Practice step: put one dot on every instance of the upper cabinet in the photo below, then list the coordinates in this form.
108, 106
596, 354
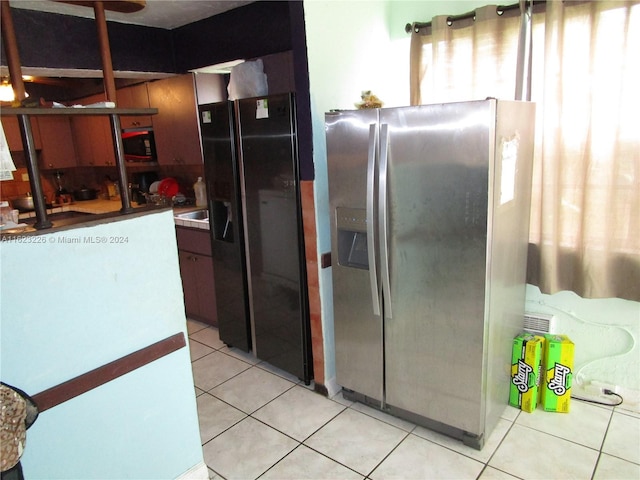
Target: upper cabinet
93, 139
14, 137
87, 140
58, 150
135, 96
176, 126
51, 135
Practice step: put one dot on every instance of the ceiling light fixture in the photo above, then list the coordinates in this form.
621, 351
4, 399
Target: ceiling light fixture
6, 91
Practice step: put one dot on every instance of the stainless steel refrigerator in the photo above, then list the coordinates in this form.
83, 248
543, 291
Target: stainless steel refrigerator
251, 170
430, 216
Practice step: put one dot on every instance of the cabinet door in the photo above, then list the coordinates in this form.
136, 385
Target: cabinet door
198, 286
189, 283
93, 141
135, 96
58, 150
93, 138
176, 126
196, 269
103, 151
194, 240
82, 139
203, 270
14, 137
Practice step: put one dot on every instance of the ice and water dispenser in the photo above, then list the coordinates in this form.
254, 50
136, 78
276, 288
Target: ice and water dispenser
221, 222
352, 237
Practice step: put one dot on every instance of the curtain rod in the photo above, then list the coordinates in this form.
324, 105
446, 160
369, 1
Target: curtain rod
500, 9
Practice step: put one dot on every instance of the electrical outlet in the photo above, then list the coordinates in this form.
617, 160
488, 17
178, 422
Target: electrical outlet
25, 177
602, 386
591, 389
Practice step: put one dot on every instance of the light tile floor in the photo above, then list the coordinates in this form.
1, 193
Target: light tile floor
259, 422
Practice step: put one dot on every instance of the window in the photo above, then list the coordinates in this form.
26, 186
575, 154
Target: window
585, 217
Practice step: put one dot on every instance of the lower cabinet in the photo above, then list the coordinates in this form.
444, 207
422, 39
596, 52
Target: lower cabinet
196, 270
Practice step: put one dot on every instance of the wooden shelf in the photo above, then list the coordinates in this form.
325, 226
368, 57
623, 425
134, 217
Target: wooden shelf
79, 111
114, 114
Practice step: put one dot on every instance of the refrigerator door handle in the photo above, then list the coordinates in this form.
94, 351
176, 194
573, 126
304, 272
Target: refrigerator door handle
383, 218
371, 243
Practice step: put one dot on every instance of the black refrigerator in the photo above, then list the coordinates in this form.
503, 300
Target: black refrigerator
255, 215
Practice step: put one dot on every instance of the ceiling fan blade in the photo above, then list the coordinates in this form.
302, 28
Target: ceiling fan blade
122, 6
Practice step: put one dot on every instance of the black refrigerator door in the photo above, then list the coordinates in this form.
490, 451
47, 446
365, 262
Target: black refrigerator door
274, 235
217, 125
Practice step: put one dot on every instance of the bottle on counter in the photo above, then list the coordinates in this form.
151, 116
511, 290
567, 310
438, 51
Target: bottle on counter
110, 188
200, 190
5, 213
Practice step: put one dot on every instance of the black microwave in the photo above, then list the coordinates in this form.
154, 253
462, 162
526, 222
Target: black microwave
139, 145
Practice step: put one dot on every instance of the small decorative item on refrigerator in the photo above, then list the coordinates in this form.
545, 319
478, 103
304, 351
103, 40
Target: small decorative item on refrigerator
526, 364
558, 373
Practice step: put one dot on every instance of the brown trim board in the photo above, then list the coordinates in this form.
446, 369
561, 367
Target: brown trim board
87, 381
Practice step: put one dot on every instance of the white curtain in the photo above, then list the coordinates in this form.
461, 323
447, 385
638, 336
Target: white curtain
585, 217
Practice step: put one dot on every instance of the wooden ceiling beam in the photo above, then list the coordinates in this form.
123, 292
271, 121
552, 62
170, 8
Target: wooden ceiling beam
11, 50
122, 6
105, 51
99, 7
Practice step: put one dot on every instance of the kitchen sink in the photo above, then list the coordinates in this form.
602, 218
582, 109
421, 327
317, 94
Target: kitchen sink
195, 215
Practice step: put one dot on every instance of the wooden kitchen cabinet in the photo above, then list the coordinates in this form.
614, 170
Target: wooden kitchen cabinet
196, 270
176, 126
51, 135
93, 138
58, 150
135, 96
11, 129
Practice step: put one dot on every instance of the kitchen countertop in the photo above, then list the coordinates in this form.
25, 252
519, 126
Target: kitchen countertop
95, 211
100, 210
95, 207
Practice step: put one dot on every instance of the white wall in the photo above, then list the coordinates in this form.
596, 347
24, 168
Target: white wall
68, 308
361, 45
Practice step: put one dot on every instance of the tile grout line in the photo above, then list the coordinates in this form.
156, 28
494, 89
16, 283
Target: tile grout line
558, 437
604, 438
299, 443
262, 365
486, 464
368, 475
277, 462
